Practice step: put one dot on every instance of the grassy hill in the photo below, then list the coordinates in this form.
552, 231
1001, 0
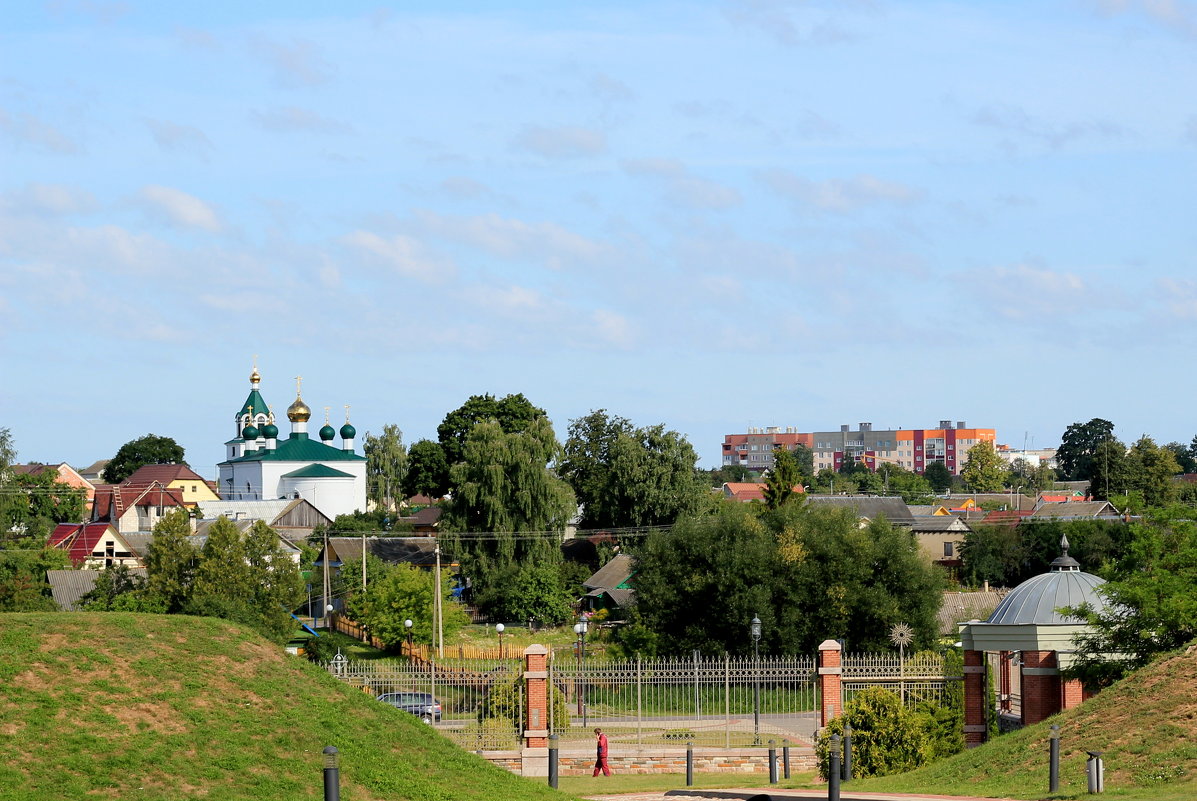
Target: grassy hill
170, 707
1146, 725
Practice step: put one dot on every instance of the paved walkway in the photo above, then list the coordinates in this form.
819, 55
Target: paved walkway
775, 794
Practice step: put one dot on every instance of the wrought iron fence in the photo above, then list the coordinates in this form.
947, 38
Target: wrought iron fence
919, 678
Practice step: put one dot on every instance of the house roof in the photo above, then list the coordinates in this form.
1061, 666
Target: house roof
419, 551
1005, 517
1075, 509
80, 540
272, 511
113, 501
68, 586
162, 473
299, 448
745, 491
615, 574
317, 471
620, 597
1008, 500
428, 516
960, 607
869, 507
94, 469
927, 524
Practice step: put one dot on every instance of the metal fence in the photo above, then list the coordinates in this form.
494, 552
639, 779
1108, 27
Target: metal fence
713, 701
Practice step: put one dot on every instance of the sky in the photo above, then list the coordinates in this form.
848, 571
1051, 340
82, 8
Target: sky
709, 215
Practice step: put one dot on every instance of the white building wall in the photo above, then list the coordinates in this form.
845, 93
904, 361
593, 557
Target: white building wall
332, 496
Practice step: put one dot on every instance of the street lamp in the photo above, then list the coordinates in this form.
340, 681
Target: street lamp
407, 624
755, 630
580, 630
499, 627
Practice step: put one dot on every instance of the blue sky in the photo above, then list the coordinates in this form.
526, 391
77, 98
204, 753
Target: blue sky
711, 215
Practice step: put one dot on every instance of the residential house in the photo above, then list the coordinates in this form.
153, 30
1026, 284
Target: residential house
64, 474
193, 488
611, 587
940, 538
754, 450
131, 509
1076, 510
869, 507
94, 546
293, 518
67, 587
746, 492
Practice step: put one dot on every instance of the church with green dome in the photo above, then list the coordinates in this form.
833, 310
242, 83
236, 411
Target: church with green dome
261, 466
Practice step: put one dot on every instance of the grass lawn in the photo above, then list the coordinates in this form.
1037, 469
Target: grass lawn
642, 783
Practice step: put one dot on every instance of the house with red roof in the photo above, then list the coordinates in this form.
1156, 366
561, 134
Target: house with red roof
180, 477
64, 474
94, 546
130, 509
746, 492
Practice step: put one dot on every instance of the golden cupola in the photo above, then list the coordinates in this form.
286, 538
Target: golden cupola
299, 412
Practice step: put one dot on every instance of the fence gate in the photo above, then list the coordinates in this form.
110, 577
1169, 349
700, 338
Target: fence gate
481, 701
714, 701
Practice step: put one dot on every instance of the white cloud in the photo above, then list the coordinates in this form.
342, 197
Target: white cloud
299, 65
789, 22
683, 188
179, 208
1015, 119
183, 138
1179, 296
405, 255
1174, 14
613, 328
839, 195
564, 142
556, 247
49, 199
26, 129
293, 118
1022, 291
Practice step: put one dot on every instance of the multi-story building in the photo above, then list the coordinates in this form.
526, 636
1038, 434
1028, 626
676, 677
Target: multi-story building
754, 450
912, 448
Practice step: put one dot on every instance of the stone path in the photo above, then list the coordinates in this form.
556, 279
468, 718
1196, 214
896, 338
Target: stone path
776, 794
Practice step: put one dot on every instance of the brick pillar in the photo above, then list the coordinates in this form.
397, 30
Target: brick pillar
1072, 692
1040, 686
536, 720
974, 698
830, 674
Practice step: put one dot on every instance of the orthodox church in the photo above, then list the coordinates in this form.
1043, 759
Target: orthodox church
260, 466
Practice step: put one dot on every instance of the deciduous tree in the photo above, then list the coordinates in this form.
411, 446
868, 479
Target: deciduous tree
386, 467
171, 560
983, 470
514, 413
785, 475
406, 593
427, 470
150, 449
938, 476
1078, 446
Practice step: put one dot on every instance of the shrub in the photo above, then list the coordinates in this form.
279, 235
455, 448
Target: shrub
886, 737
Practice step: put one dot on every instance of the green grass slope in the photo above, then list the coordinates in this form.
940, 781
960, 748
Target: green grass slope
169, 707
1146, 725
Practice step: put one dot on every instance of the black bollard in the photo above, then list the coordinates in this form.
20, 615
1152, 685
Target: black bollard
785, 761
553, 761
847, 751
833, 769
689, 764
332, 775
772, 763
1053, 770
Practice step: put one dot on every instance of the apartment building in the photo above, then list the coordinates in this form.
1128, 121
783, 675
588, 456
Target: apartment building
912, 448
754, 450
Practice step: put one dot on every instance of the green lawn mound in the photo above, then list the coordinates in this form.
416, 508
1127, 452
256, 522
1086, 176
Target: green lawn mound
170, 707
1146, 725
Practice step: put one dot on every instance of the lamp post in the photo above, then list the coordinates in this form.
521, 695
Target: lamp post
407, 624
499, 627
580, 630
755, 630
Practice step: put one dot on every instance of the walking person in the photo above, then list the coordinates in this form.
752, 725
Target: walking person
601, 744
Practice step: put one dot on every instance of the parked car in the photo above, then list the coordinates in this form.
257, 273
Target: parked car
422, 705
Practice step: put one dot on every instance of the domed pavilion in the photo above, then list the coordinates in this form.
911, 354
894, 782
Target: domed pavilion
1028, 632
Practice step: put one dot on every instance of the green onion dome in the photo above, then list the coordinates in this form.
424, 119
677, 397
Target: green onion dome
348, 431
327, 432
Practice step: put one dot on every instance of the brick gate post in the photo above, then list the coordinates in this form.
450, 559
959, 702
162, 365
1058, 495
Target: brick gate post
830, 674
974, 698
535, 754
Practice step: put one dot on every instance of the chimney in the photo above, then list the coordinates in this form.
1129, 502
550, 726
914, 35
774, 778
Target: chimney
959, 424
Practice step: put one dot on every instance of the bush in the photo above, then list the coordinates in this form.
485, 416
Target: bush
886, 737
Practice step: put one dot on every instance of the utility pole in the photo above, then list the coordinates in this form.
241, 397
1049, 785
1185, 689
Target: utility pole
327, 583
437, 608
363, 562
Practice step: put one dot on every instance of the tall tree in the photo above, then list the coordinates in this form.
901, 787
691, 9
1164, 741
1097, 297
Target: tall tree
1078, 446
171, 560
514, 413
1184, 457
223, 571
386, 467
785, 475
135, 454
938, 476
405, 593
1109, 471
628, 476
427, 470
1153, 470
984, 470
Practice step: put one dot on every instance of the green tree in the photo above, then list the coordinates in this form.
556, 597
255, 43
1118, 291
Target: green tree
150, 449
897, 480
222, 571
32, 504
1078, 446
1151, 599
886, 736
514, 413
938, 476
628, 476
785, 475
386, 467
1152, 471
8, 452
277, 585
427, 470
406, 593
171, 561
983, 470
1184, 456
1109, 471
119, 590
23, 586
729, 473
527, 592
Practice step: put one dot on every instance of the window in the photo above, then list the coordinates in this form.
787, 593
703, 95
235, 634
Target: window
947, 550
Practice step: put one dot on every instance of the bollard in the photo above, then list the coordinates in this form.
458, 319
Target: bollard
1053, 770
772, 763
689, 764
553, 771
1095, 772
332, 775
847, 751
785, 761
833, 769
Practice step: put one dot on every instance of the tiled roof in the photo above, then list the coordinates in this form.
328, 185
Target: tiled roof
162, 473
114, 500
80, 540
300, 448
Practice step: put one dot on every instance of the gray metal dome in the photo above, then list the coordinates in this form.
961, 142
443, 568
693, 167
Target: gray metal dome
1036, 600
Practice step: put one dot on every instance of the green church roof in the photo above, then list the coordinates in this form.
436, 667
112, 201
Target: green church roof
298, 448
316, 471
258, 403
